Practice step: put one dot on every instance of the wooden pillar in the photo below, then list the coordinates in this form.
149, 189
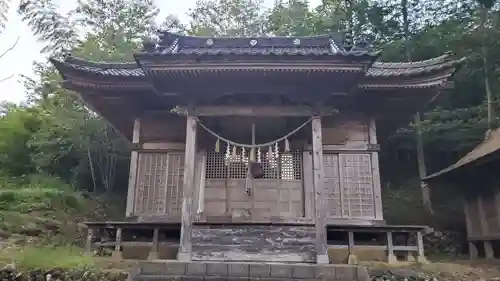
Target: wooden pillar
420, 248
352, 258
318, 181
153, 252
88, 245
117, 253
377, 190
473, 252
482, 217
188, 191
132, 178
391, 257
309, 212
489, 254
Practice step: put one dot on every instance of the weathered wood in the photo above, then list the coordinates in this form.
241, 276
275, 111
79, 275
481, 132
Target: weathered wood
254, 243
308, 186
158, 146
468, 223
153, 252
201, 183
188, 190
420, 248
88, 244
117, 253
132, 179
482, 217
257, 111
488, 250
473, 252
377, 190
318, 180
391, 257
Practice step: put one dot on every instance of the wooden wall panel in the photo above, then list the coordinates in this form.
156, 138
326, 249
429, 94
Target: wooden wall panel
490, 213
473, 216
163, 129
254, 243
344, 131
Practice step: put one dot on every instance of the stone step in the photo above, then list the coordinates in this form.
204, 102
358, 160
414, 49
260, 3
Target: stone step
240, 271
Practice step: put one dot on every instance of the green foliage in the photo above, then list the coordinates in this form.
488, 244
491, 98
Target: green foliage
30, 257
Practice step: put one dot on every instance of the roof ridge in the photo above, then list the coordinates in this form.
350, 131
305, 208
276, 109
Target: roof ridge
413, 64
99, 64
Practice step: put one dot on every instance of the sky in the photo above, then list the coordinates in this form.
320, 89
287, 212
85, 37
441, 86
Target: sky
20, 59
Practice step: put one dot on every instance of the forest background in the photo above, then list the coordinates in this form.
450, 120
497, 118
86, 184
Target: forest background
53, 142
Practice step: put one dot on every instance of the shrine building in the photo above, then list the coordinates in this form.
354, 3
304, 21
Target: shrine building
256, 149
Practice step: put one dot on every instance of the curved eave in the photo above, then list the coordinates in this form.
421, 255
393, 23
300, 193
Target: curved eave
80, 73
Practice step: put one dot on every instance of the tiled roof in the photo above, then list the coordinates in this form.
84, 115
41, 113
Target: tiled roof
387, 69
490, 145
323, 45
378, 69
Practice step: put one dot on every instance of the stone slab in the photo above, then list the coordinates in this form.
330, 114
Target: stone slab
240, 271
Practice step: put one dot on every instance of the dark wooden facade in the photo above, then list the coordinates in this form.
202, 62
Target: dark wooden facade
475, 176
254, 91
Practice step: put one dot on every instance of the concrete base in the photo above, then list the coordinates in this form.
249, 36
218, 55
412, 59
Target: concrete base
177, 270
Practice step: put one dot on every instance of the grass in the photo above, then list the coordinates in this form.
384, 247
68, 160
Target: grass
30, 257
39, 223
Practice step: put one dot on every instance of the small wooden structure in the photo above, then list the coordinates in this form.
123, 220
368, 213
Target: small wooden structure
257, 148
476, 177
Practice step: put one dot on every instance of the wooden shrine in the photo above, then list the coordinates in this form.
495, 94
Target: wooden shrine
475, 177
255, 149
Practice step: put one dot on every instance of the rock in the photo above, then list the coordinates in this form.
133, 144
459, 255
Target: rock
5, 234
31, 231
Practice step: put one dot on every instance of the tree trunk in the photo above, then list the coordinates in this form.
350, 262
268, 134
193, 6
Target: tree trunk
422, 171
484, 54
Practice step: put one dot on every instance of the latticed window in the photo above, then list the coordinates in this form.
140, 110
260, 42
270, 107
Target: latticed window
284, 166
159, 183
348, 191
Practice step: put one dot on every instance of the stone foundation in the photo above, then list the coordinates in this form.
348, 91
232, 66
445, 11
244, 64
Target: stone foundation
236, 271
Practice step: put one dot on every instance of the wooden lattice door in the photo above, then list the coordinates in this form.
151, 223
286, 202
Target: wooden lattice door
159, 184
349, 188
278, 194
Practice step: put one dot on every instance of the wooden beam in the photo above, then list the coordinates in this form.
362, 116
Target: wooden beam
188, 191
318, 181
377, 189
132, 179
276, 111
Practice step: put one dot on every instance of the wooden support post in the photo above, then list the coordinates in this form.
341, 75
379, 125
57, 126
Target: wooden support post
88, 245
201, 181
352, 258
391, 257
473, 252
117, 253
377, 190
408, 254
482, 217
318, 181
488, 250
132, 178
188, 190
309, 198
420, 248
153, 252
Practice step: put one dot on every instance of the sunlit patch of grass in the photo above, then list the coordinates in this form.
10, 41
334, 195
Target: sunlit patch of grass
46, 257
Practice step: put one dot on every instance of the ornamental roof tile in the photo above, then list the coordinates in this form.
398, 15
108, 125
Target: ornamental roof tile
378, 69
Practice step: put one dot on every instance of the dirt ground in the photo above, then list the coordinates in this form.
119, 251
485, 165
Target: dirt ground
456, 270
